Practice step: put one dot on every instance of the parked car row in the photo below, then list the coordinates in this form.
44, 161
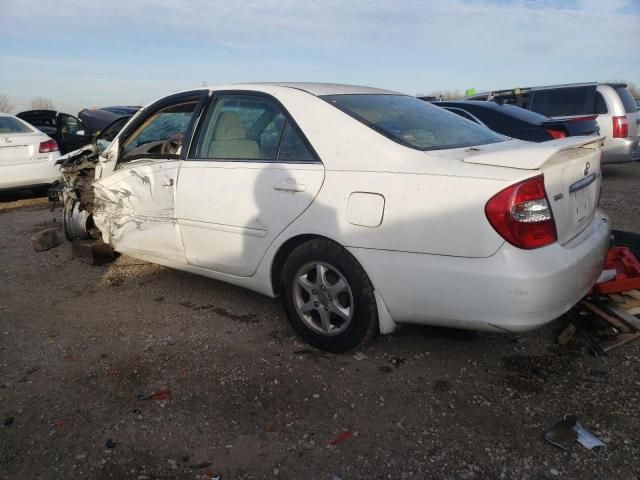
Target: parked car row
362, 208
609, 104
32, 141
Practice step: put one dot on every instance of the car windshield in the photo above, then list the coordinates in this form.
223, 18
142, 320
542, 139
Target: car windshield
413, 122
11, 125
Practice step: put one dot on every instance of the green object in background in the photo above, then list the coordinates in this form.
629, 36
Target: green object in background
470, 91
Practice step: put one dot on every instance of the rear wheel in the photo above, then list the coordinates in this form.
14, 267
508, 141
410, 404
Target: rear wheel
328, 297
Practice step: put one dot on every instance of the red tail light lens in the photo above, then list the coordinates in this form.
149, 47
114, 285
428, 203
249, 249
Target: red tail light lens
522, 216
48, 146
620, 127
556, 134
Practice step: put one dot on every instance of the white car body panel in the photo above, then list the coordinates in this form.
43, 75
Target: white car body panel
21, 163
415, 220
229, 232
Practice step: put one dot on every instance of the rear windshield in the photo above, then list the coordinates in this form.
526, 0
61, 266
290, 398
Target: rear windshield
564, 101
629, 103
413, 122
11, 125
522, 114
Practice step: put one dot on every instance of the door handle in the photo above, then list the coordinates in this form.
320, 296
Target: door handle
167, 182
290, 187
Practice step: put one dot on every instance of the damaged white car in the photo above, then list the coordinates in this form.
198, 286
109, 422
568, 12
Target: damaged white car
362, 208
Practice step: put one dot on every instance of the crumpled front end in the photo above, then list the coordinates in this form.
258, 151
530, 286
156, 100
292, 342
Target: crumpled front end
77, 193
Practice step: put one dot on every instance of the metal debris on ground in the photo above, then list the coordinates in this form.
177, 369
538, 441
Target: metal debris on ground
568, 431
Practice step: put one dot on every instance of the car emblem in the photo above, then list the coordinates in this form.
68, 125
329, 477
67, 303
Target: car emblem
586, 169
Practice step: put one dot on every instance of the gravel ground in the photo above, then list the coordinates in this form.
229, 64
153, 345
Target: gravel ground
80, 346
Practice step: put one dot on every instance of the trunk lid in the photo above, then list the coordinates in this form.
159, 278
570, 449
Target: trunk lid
572, 177
20, 148
574, 127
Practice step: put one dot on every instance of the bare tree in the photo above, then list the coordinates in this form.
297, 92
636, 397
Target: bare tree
5, 105
41, 103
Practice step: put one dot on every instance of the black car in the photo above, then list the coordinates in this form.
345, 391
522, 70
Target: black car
122, 110
516, 122
68, 131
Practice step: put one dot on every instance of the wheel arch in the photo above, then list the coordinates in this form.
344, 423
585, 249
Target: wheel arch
283, 253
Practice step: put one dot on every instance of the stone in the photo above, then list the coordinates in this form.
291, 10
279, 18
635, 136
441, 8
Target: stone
46, 239
93, 252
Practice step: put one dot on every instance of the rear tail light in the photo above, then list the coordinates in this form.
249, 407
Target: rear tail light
557, 134
48, 146
620, 127
521, 214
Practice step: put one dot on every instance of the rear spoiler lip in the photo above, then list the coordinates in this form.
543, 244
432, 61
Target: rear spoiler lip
532, 156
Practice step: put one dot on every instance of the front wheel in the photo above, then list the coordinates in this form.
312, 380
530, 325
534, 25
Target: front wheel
328, 297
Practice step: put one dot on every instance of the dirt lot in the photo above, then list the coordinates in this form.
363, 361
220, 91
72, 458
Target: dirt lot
80, 344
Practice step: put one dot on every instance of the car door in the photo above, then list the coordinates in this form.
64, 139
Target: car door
250, 173
134, 203
72, 133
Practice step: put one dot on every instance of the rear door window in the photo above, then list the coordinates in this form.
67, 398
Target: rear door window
564, 102
629, 103
241, 127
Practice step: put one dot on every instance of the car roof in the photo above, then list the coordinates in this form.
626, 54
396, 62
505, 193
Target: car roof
546, 87
317, 89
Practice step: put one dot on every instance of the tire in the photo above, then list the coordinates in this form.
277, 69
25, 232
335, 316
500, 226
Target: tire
627, 239
342, 314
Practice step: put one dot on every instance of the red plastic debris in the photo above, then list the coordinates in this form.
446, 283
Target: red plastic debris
161, 395
346, 435
627, 269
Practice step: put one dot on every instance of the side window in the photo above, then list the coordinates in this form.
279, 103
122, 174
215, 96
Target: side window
601, 106
71, 125
293, 147
241, 127
161, 134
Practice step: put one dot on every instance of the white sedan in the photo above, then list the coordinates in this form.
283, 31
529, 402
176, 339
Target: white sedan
362, 208
27, 156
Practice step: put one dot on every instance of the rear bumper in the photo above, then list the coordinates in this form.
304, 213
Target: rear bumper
620, 150
28, 174
513, 290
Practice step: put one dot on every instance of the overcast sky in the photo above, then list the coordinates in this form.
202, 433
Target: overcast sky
85, 53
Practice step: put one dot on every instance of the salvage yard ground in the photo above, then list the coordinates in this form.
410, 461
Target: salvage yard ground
81, 346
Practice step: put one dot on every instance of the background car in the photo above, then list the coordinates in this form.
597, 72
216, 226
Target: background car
27, 156
70, 132
614, 108
363, 208
122, 110
516, 122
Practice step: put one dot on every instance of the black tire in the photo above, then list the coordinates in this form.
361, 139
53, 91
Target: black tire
363, 324
627, 239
